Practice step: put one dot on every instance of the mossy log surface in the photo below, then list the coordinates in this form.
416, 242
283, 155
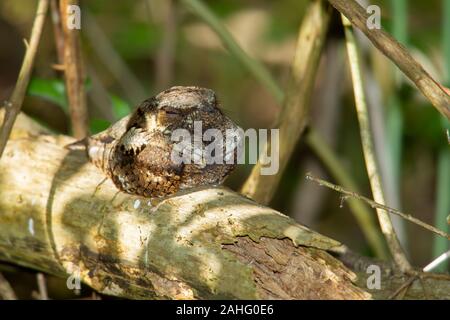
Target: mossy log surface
58, 214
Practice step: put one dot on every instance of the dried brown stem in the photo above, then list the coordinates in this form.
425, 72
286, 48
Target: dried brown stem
74, 73
14, 105
376, 205
368, 149
293, 118
434, 286
398, 54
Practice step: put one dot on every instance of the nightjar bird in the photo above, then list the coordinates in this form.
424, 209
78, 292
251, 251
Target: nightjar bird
140, 155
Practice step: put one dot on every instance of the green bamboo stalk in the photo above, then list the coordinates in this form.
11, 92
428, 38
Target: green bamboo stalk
400, 21
446, 38
443, 167
442, 205
260, 73
394, 115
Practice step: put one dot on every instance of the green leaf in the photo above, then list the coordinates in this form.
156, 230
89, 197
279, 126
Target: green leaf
120, 107
440, 244
49, 89
88, 84
98, 125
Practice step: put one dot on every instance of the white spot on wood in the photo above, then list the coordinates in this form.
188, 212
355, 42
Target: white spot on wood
93, 152
146, 257
31, 226
137, 203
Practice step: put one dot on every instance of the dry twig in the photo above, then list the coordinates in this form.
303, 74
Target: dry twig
74, 74
14, 105
398, 54
293, 117
369, 154
376, 205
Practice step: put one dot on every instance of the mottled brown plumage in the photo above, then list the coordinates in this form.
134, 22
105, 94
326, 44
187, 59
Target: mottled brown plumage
136, 151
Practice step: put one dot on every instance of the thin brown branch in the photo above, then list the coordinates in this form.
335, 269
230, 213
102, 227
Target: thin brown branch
403, 289
376, 205
393, 281
361, 212
74, 73
14, 105
384, 219
398, 54
292, 120
6, 292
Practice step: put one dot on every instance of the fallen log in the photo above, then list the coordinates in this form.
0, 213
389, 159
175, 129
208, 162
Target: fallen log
59, 215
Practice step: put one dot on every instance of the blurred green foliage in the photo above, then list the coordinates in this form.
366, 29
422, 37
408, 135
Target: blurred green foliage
52, 90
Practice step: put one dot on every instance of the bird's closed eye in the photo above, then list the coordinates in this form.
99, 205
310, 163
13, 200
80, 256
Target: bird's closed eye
172, 113
168, 116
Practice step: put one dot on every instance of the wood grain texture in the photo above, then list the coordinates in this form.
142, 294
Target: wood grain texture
57, 216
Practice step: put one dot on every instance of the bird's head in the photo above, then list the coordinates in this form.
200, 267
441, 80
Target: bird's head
178, 108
